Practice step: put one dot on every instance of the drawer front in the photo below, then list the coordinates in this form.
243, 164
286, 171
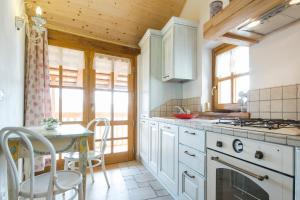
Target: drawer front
192, 158
191, 184
193, 138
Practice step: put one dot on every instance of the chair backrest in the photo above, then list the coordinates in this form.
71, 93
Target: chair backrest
25, 135
96, 122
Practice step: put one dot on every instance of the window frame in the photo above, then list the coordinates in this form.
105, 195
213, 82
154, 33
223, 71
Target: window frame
215, 81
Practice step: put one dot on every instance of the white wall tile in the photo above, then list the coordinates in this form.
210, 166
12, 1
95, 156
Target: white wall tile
289, 92
254, 106
276, 106
254, 95
289, 105
265, 94
276, 115
291, 116
265, 115
276, 93
265, 106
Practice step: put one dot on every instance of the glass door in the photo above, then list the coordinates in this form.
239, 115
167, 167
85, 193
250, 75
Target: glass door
113, 89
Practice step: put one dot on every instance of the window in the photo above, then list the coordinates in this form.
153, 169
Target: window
231, 75
112, 100
66, 84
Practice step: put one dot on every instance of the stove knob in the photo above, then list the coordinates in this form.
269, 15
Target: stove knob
259, 155
219, 144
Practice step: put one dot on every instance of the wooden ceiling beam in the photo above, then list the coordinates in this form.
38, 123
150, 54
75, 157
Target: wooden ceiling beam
82, 43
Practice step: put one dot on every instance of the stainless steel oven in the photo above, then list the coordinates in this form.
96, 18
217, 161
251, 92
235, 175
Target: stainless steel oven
234, 175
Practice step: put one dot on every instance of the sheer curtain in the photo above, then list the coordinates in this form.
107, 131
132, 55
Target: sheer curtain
37, 91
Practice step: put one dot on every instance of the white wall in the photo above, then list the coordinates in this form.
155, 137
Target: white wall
202, 85
12, 47
275, 61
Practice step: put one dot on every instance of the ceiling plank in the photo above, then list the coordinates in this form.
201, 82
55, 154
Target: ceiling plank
120, 21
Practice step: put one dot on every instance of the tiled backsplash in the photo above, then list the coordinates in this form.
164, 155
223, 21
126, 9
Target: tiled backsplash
167, 109
275, 103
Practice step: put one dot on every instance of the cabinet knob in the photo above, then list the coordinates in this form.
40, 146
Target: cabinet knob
219, 144
259, 155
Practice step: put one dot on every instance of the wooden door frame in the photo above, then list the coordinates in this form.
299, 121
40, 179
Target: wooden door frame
90, 47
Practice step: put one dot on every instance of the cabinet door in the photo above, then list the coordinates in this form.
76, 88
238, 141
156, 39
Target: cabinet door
144, 79
168, 156
153, 146
185, 52
144, 140
167, 46
191, 184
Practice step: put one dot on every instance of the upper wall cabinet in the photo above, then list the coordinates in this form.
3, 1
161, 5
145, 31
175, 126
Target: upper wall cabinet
152, 91
247, 22
179, 50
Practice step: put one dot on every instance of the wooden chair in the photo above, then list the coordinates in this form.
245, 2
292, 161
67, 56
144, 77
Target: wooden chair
46, 185
96, 156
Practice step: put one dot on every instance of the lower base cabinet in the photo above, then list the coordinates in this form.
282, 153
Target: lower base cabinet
168, 157
191, 184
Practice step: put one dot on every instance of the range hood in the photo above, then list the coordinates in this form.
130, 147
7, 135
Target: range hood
277, 18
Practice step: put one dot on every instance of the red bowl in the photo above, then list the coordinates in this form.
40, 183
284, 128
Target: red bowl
183, 116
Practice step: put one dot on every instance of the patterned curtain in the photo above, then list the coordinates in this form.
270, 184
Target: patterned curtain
37, 90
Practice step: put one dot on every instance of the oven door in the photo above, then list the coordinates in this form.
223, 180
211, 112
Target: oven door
229, 178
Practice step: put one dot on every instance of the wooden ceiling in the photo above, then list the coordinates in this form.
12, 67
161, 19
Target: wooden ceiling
118, 21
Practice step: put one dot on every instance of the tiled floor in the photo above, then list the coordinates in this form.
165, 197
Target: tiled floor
129, 181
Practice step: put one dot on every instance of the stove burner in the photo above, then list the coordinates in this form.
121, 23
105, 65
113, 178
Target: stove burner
261, 123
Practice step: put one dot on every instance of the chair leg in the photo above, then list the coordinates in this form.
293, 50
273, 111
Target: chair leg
91, 170
80, 192
104, 172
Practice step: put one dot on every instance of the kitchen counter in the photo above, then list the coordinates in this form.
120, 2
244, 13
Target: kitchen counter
285, 136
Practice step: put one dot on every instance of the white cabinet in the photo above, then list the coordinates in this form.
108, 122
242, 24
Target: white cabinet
152, 91
153, 146
168, 157
179, 50
191, 184
144, 140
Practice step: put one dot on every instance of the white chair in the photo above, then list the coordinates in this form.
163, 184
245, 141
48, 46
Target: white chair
96, 156
47, 185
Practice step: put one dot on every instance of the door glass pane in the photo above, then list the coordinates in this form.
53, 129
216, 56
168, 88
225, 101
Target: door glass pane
100, 131
224, 92
120, 106
120, 146
103, 80
72, 105
72, 77
54, 75
54, 94
121, 131
223, 65
241, 85
121, 82
103, 104
233, 185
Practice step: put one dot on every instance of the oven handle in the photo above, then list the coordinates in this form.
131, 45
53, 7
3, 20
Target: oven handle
258, 177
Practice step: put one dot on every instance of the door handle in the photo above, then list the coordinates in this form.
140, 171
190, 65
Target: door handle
191, 176
258, 177
188, 153
191, 133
